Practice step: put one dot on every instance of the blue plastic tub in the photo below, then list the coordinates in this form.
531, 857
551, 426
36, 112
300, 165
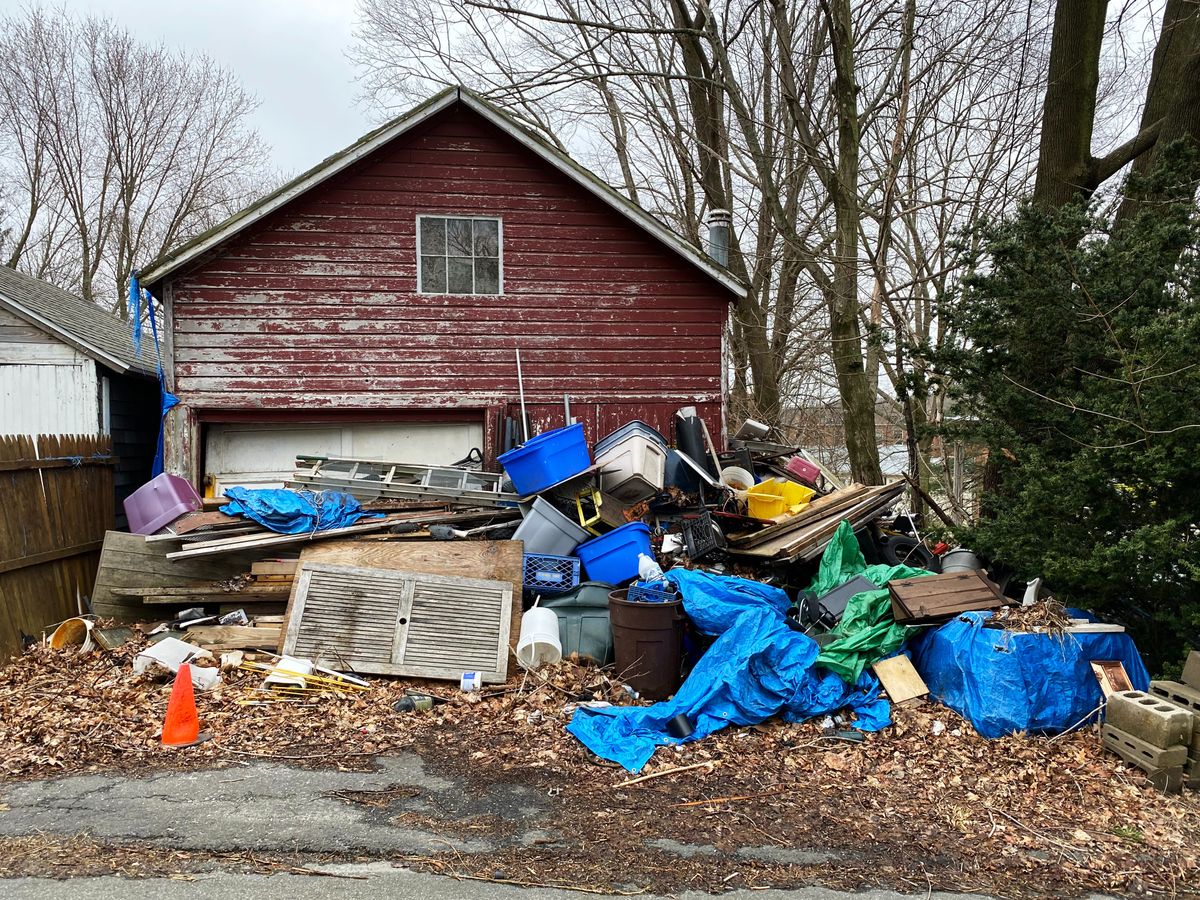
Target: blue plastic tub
547, 459
613, 557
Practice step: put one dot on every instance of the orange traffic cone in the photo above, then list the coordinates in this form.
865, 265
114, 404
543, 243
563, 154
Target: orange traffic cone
181, 727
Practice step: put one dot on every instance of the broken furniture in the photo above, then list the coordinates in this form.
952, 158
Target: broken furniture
386, 622
936, 598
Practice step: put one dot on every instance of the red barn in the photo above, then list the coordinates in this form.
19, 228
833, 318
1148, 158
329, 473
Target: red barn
372, 307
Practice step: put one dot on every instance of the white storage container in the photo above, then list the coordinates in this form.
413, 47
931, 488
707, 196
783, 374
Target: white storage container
632, 469
546, 530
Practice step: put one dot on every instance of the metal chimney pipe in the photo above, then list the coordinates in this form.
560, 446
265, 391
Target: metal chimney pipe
720, 235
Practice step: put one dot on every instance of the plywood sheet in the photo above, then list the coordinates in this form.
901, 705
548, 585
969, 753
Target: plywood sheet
900, 679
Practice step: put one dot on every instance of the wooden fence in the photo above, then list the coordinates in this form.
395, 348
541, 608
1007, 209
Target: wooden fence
56, 502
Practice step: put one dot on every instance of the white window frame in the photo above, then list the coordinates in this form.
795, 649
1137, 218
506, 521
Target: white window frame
499, 258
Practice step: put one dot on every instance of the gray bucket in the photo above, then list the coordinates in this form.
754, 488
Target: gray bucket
960, 560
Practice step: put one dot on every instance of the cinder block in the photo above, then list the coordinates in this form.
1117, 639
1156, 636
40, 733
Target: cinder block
1137, 752
1191, 670
1152, 719
1182, 696
1179, 694
1168, 781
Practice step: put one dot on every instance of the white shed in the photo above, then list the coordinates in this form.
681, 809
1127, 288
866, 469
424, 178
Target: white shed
68, 367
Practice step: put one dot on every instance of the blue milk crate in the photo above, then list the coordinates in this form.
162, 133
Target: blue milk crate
547, 574
642, 592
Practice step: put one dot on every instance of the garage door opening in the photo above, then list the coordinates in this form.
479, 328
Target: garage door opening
260, 455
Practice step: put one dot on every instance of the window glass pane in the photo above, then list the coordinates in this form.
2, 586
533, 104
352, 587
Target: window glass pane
487, 276
460, 280
487, 237
458, 237
433, 274
433, 236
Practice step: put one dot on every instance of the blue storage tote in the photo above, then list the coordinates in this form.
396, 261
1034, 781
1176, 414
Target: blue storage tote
613, 557
548, 574
546, 459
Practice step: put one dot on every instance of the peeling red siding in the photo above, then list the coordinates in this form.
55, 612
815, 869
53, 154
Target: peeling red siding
315, 308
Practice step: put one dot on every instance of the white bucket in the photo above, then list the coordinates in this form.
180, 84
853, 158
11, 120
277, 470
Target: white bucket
539, 644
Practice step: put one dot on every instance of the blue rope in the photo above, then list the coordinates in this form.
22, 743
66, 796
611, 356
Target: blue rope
168, 401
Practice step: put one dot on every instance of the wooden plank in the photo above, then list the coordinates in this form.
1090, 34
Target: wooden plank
274, 567
128, 561
254, 542
816, 510
193, 520
900, 679
233, 637
483, 560
205, 590
812, 537
36, 559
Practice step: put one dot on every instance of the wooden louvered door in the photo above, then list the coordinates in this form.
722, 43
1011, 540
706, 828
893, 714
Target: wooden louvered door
387, 622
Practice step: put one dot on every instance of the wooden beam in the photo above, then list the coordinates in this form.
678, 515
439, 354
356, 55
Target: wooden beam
36, 559
21, 465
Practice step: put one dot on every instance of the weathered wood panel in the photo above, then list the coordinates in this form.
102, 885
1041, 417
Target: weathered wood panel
51, 522
316, 307
50, 399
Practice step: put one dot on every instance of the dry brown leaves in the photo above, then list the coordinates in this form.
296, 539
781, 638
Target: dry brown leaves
908, 808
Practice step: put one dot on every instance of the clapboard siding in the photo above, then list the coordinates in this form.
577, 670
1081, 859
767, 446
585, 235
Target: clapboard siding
316, 305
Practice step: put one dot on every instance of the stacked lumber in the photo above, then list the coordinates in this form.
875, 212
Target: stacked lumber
805, 535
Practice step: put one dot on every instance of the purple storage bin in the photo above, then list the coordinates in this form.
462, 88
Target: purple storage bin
158, 502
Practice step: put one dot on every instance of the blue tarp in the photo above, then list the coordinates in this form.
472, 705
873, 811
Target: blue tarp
295, 512
1005, 682
758, 667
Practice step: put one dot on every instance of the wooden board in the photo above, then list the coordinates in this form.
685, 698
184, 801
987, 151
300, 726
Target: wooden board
900, 679
818, 509
484, 560
268, 567
1112, 676
272, 591
234, 637
934, 598
127, 561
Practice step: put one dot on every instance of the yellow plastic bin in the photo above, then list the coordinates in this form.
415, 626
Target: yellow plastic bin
777, 497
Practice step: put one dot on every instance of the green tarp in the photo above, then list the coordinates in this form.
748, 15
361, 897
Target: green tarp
867, 632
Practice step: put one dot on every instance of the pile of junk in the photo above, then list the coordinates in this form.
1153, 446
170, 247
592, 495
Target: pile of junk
732, 585
722, 585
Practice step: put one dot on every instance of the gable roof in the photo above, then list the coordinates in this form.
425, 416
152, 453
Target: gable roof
185, 253
73, 320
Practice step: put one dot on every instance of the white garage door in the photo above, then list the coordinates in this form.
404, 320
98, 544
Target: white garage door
264, 455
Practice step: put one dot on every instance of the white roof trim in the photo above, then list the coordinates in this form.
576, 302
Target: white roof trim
559, 161
15, 307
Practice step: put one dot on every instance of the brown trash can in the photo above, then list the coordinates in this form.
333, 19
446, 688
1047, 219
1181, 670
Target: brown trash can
647, 644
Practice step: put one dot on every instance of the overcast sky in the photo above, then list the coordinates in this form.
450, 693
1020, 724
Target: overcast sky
289, 53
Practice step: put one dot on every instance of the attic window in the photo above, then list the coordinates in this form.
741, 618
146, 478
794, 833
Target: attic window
459, 255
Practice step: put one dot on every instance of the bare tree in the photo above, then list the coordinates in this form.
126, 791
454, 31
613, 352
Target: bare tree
112, 151
852, 142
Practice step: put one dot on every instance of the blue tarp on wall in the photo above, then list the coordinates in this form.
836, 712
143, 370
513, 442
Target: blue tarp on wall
295, 512
1005, 682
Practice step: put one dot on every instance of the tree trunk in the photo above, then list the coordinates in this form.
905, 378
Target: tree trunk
1173, 94
1069, 110
858, 402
